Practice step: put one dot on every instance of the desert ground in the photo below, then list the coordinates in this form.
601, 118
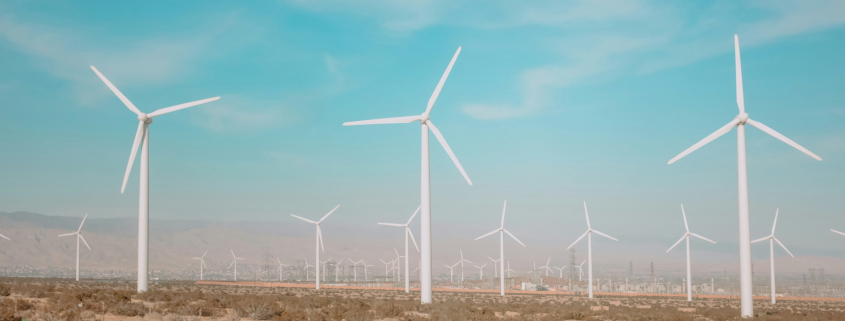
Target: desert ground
59, 299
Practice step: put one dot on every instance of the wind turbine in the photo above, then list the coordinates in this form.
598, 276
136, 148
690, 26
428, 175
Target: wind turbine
589, 235
480, 271
495, 268
546, 267
318, 241
78, 234
143, 132
324, 268
407, 234
773, 239
202, 262
306, 270
235, 263
425, 184
387, 265
560, 269
686, 237
501, 230
580, 270
746, 304
397, 263
355, 269
462, 266
280, 268
451, 269
508, 270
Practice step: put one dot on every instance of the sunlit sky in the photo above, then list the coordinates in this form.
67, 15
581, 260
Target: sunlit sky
549, 104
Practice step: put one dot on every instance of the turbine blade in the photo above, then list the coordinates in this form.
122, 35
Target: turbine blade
3, 236
441, 82
117, 93
784, 247
761, 239
740, 97
391, 224
139, 134
497, 230
686, 226
412, 216
392, 120
395, 251
203, 255
171, 109
233, 254
709, 138
703, 238
676, 243
68, 234
233, 263
83, 222
782, 138
514, 238
83, 241
776, 221
576, 241
605, 235
329, 213
412, 238
304, 219
587, 214
504, 207
320, 234
448, 150
838, 232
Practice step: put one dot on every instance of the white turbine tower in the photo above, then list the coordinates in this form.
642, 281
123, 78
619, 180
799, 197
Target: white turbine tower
508, 270
501, 230
451, 270
462, 266
407, 234
773, 239
280, 268
319, 242
560, 269
78, 234
580, 270
202, 262
143, 132
495, 267
589, 235
235, 263
746, 304
425, 185
686, 237
306, 269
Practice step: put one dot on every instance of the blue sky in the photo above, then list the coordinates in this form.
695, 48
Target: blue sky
549, 104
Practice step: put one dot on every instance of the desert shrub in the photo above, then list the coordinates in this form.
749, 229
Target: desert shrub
172, 317
88, 315
5, 290
129, 309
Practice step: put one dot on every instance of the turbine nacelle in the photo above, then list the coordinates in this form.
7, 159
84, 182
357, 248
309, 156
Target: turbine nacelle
743, 118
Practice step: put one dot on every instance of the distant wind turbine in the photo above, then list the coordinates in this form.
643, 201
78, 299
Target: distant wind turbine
508, 270
280, 268
686, 237
235, 263
480, 271
462, 266
501, 230
407, 234
143, 132
495, 267
560, 269
745, 273
451, 270
425, 184
78, 234
202, 262
589, 235
306, 269
546, 267
580, 270
773, 239
318, 241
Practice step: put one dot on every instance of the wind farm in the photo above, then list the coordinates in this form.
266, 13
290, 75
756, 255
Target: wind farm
550, 105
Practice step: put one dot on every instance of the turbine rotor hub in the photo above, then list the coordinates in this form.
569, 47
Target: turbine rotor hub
424, 118
742, 118
145, 118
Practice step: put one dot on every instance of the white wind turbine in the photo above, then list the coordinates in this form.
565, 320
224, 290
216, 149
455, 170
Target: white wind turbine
462, 265
306, 269
509, 271
560, 269
589, 235
143, 132
746, 304
407, 234
773, 239
495, 267
451, 270
480, 271
78, 234
425, 184
202, 262
235, 263
546, 267
397, 263
355, 269
324, 268
686, 237
280, 268
501, 230
580, 270
318, 240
